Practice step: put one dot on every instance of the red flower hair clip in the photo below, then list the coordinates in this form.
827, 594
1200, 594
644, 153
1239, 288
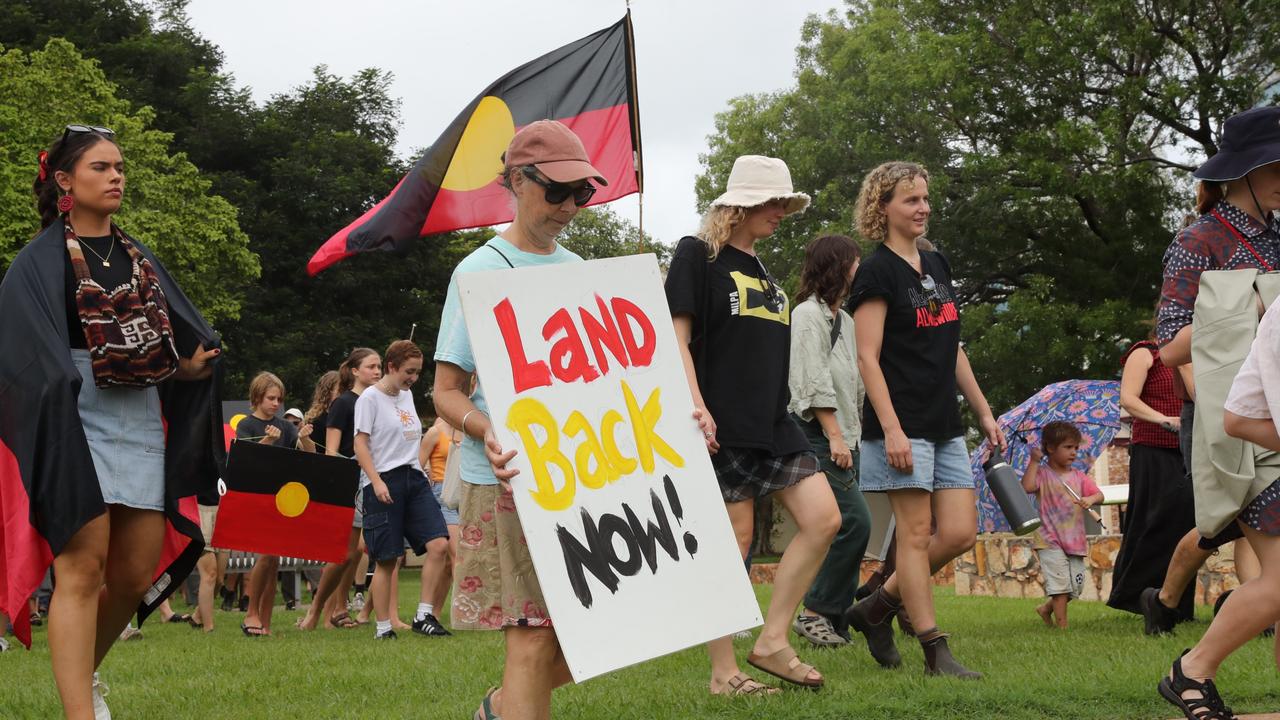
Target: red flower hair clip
44, 165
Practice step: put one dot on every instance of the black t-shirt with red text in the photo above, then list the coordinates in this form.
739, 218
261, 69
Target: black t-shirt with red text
741, 345
921, 340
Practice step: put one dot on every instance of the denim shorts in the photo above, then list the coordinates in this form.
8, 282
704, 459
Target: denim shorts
126, 439
450, 515
413, 515
940, 465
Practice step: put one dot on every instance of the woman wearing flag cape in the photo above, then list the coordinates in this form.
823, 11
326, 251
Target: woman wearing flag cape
108, 416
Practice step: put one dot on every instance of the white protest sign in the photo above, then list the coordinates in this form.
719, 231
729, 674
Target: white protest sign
616, 493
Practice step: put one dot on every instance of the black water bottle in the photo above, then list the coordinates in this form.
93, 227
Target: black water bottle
1013, 500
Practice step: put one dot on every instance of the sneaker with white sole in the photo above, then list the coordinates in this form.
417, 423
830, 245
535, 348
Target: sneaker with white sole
100, 691
357, 603
430, 626
130, 633
4, 644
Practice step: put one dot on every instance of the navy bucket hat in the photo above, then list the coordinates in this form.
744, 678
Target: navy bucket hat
1249, 141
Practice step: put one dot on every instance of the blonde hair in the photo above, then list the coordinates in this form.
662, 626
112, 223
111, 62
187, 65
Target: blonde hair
323, 396
263, 382
876, 192
717, 224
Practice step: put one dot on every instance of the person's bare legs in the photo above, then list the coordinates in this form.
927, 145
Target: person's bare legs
1183, 566
724, 664
1247, 565
1060, 609
262, 592
396, 622
73, 615
133, 553
440, 585
103, 572
534, 667
381, 590
813, 506
207, 565
957, 524
330, 579
362, 571
434, 566
1251, 608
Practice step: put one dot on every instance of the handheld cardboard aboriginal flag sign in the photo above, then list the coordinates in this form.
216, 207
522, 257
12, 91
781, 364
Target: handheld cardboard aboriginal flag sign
588, 85
286, 502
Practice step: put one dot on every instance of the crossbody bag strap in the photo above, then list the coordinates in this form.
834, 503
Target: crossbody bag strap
504, 257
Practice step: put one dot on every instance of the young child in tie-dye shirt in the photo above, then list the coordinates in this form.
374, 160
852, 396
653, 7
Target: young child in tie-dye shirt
1065, 495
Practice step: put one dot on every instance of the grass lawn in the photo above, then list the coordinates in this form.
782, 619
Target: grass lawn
1103, 667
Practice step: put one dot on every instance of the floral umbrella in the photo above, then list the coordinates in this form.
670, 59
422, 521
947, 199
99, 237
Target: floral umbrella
1093, 406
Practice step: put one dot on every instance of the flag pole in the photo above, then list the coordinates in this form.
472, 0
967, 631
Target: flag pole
637, 152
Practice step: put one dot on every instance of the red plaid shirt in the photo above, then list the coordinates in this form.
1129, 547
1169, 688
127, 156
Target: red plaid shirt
1207, 245
1157, 392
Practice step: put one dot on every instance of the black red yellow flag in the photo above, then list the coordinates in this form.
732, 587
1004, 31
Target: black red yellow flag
588, 85
281, 501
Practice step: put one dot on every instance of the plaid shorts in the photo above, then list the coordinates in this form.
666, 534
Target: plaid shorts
748, 473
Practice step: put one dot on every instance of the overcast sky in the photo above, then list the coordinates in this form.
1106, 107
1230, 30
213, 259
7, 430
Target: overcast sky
692, 56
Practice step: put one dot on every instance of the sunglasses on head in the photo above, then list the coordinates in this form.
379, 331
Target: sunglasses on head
79, 129
557, 193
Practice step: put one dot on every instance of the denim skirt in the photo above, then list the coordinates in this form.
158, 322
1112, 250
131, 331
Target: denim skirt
126, 439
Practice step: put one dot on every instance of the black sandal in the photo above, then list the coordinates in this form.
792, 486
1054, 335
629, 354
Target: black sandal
1209, 706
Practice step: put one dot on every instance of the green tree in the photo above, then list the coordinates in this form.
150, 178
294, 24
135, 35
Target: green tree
168, 205
599, 232
323, 155
1058, 135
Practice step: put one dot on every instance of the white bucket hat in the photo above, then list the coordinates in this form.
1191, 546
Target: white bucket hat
755, 180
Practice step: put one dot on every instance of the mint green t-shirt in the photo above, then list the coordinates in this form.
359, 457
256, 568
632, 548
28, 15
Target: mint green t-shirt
453, 345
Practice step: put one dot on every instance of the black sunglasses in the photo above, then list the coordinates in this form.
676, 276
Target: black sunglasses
557, 193
933, 297
78, 129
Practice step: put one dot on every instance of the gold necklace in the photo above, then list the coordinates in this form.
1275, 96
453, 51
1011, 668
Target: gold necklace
105, 261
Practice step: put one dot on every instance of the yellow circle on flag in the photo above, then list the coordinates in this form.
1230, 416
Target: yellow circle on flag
478, 159
235, 420
292, 499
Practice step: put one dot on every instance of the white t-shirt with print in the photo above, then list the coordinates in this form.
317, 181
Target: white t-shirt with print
393, 427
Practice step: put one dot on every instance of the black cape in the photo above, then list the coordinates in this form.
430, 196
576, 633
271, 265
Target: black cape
48, 486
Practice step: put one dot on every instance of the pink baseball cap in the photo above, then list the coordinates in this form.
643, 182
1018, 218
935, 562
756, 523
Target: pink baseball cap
554, 149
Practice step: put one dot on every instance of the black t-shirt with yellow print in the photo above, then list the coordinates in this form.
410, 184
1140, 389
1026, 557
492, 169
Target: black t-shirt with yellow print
741, 344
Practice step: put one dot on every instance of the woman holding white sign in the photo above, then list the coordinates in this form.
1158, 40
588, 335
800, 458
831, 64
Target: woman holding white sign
907, 330
732, 324
548, 173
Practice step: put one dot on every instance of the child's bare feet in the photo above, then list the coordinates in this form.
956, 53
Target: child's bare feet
1045, 612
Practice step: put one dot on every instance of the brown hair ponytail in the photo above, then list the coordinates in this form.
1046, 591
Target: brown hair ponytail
1207, 195
347, 370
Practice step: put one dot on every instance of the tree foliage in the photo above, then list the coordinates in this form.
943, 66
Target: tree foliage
168, 204
1058, 135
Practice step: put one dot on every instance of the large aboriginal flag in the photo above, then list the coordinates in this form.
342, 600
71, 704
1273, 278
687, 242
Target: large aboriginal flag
281, 501
588, 85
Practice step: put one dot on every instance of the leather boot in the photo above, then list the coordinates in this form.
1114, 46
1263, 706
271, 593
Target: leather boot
904, 622
938, 659
873, 617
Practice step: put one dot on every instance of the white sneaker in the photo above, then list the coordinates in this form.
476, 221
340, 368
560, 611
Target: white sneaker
100, 691
130, 633
4, 644
743, 635
357, 603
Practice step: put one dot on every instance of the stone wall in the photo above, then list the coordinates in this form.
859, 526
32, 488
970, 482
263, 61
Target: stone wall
1005, 565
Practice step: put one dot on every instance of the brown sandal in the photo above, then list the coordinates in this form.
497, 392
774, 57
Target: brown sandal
786, 665
743, 684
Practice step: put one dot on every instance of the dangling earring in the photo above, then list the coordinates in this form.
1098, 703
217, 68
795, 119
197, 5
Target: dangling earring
65, 203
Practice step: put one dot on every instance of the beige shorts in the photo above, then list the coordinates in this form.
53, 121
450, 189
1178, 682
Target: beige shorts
494, 584
1063, 574
208, 514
